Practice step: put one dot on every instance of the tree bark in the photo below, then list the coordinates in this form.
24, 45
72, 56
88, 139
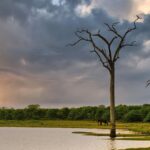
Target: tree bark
112, 102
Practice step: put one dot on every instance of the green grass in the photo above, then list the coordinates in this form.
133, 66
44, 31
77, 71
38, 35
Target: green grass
136, 137
142, 128
106, 134
49, 124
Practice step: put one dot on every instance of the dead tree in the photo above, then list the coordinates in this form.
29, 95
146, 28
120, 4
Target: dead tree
148, 83
108, 56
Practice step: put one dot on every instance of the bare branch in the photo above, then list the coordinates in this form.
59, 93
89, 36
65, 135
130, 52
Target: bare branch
106, 41
101, 37
133, 28
115, 37
89, 38
80, 38
147, 83
102, 51
129, 44
122, 41
105, 55
114, 26
75, 43
113, 29
105, 64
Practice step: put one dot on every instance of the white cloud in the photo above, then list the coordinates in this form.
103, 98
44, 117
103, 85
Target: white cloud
137, 63
120, 9
84, 10
146, 45
143, 64
23, 62
58, 2
142, 6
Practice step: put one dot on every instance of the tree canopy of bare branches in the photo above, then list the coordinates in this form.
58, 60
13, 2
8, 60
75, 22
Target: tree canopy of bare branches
106, 56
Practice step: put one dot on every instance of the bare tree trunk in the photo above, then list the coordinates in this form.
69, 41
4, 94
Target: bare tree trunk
112, 101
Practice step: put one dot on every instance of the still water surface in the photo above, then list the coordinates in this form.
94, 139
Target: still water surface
60, 139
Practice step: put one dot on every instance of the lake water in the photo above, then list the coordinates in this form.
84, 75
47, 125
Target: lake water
60, 139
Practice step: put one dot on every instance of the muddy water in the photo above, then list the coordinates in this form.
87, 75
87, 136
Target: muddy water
60, 139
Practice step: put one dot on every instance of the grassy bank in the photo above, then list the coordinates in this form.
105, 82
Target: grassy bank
49, 124
143, 128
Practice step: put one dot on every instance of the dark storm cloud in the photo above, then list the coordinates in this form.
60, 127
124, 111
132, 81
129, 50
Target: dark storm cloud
42, 69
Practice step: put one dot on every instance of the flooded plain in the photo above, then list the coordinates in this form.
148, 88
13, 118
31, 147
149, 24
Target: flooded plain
61, 139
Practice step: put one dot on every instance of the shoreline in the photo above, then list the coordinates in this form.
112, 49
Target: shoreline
142, 129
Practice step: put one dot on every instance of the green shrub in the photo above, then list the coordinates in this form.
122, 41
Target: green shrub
147, 118
133, 116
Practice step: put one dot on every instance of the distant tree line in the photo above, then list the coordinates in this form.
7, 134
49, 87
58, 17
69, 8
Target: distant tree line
124, 113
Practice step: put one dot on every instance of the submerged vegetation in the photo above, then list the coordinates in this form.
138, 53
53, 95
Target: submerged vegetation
120, 136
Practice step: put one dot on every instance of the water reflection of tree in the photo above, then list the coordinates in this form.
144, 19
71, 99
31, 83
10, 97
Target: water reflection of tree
111, 144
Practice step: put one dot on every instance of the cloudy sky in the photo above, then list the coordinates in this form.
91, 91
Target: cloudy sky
37, 67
